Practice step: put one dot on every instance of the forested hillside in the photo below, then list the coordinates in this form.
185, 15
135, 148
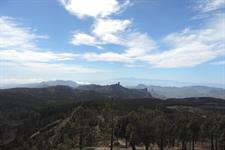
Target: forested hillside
140, 123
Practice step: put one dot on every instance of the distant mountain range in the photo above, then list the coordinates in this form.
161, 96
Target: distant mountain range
163, 83
162, 92
183, 92
42, 84
127, 82
79, 93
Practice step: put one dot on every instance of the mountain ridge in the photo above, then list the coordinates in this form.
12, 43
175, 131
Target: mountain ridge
162, 92
66, 93
183, 92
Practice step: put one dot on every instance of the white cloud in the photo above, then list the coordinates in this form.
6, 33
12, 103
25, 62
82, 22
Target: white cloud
15, 35
110, 30
189, 55
21, 57
104, 31
93, 8
210, 34
187, 48
192, 47
34, 56
18, 44
210, 5
108, 56
139, 44
110, 26
58, 68
118, 32
84, 39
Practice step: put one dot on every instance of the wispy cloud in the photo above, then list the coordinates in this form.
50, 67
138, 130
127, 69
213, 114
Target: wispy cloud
187, 48
210, 5
108, 56
15, 35
208, 9
192, 47
19, 52
34, 56
58, 68
18, 43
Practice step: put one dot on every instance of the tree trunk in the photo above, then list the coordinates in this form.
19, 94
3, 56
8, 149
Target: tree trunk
193, 144
146, 146
185, 146
216, 144
80, 142
212, 144
133, 147
182, 145
223, 145
111, 140
126, 143
173, 144
161, 143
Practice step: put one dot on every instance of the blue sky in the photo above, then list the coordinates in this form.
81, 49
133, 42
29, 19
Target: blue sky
96, 40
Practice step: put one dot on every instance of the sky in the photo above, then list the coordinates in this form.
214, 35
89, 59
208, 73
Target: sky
99, 40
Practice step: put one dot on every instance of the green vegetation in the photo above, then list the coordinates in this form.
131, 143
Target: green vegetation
147, 123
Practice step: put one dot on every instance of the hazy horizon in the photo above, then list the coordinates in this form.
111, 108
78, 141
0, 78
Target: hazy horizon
127, 82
